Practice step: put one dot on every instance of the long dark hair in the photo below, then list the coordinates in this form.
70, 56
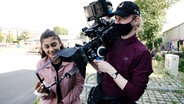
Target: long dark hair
46, 34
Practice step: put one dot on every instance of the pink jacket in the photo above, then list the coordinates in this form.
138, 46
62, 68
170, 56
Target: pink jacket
71, 88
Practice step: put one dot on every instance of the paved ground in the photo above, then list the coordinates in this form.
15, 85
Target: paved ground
17, 87
17, 76
162, 88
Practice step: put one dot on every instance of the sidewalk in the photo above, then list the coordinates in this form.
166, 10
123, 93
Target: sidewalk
162, 88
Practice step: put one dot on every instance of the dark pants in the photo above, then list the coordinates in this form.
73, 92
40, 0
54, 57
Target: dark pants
97, 97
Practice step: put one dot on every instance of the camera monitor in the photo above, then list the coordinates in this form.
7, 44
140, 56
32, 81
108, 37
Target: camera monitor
96, 10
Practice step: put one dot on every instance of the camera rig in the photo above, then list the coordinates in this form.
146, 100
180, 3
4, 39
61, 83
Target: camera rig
100, 34
96, 10
101, 39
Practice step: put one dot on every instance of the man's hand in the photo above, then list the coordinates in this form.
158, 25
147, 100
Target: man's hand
104, 66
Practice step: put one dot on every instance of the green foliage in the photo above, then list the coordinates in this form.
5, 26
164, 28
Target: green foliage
158, 57
9, 38
1, 37
153, 14
181, 65
181, 61
37, 100
157, 42
24, 35
60, 30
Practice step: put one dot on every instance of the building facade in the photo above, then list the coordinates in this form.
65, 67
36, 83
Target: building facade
173, 38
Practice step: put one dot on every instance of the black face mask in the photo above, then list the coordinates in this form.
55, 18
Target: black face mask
122, 29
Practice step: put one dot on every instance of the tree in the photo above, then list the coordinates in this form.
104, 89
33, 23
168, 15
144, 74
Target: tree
60, 30
24, 35
1, 37
154, 14
9, 38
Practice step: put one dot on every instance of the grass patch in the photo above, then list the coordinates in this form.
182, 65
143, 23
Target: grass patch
37, 100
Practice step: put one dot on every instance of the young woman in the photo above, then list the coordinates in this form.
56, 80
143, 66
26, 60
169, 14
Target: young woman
69, 89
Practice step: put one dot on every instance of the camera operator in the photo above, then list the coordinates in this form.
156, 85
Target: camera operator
127, 65
69, 89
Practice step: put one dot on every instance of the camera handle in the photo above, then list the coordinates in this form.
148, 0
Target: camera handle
68, 75
44, 87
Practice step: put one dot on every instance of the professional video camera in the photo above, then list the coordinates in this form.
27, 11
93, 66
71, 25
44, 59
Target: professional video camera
101, 39
94, 11
100, 34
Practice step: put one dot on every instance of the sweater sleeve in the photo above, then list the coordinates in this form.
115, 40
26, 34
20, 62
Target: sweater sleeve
140, 77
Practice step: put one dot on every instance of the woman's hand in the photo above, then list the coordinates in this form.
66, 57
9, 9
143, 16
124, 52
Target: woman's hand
39, 87
39, 91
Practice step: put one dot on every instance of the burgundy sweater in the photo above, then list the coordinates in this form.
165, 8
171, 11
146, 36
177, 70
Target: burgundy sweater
133, 61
